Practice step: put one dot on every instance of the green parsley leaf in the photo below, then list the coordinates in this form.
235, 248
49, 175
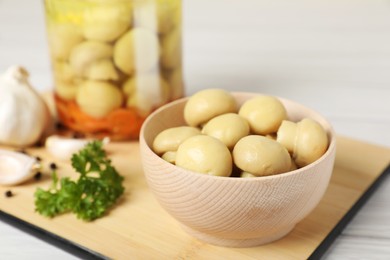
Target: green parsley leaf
98, 187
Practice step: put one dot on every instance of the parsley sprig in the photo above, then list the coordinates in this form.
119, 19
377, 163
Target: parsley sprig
97, 188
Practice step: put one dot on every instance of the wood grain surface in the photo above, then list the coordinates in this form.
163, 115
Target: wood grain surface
333, 56
138, 228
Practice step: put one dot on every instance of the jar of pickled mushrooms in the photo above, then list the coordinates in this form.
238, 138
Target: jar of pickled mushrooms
114, 62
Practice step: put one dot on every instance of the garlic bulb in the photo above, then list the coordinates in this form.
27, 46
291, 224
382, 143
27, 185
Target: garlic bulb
24, 115
16, 168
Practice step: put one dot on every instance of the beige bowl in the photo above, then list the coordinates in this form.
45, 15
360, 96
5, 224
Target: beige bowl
234, 212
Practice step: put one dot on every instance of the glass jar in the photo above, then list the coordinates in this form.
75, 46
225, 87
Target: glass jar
114, 62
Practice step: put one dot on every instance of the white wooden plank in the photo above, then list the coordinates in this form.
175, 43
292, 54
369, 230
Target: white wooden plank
348, 247
373, 219
16, 244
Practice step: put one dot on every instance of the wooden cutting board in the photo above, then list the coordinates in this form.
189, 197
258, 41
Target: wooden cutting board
138, 228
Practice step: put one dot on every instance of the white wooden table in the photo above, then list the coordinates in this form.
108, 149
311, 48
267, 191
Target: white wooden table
333, 56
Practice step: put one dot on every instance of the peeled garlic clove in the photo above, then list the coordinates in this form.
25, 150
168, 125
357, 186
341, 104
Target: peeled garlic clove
16, 168
63, 148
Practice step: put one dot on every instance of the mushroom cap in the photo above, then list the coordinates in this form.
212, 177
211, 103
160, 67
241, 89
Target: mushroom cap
135, 43
247, 175
86, 53
261, 156
169, 156
286, 135
311, 143
205, 154
228, 128
107, 22
102, 70
171, 50
264, 114
206, 104
306, 140
98, 98
171, 138
62, 39
145, 92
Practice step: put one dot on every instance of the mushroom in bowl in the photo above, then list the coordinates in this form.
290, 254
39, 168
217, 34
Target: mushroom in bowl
236, 211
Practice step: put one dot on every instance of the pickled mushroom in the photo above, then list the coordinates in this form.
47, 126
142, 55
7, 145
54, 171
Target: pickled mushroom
171, 138
97, 98
102, 70
264, 114
206, 104
62, 38
171, 50
107, 22
247, 175
175, 80
204, 154
63, 71
145, 92
66, 90
306, 140
261, 156
86, 53
228, 128
137, 50
169, 156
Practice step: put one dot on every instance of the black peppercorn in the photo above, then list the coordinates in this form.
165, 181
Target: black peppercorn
8, 193
53, 166
38, 158
38, 176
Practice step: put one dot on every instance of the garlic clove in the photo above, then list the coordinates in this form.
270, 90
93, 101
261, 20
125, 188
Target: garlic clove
63, 148
16, 168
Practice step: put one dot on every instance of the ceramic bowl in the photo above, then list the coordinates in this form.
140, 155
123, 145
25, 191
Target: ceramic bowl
228, 211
